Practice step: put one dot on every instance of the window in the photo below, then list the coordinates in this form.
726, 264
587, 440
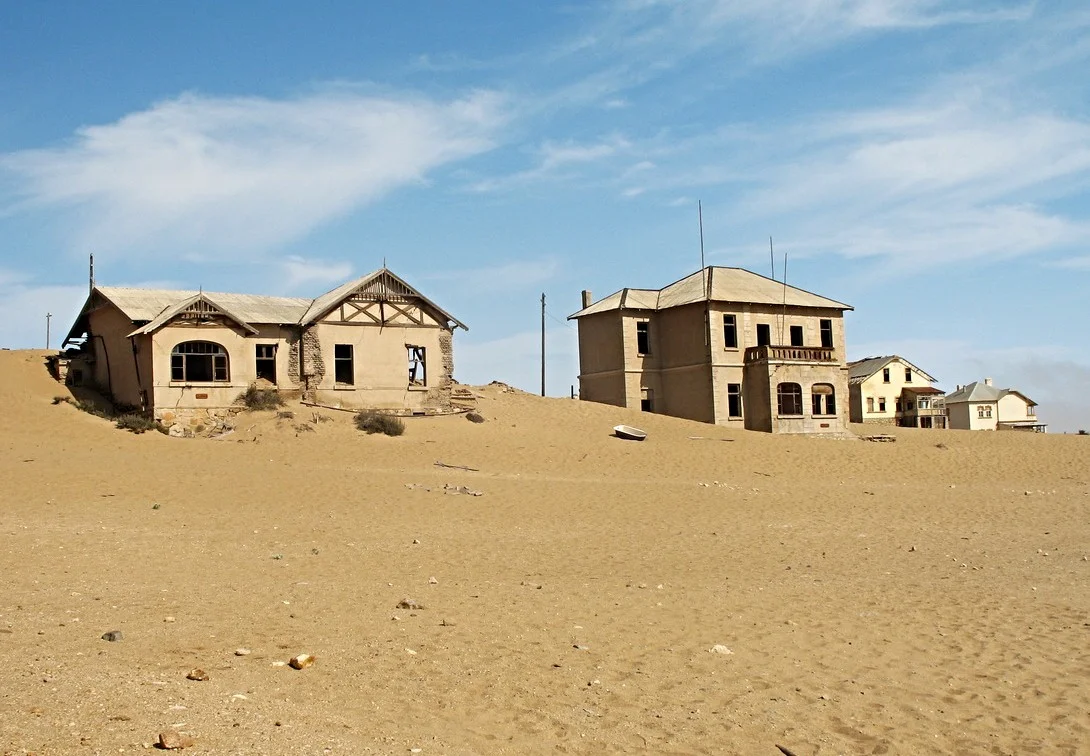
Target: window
266, 362
984, 411
789, 398
764, 334
198, 362
796, 335
344, 365
897, 405
647, 400
734, 400
881, 404
643, 337
908, 375
885, 375
924, 403
908, 405
826, 333
870, 404
824, 399
730, 332
418, 365
1029, 410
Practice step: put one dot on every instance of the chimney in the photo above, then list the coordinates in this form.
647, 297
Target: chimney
987, 381
587, 298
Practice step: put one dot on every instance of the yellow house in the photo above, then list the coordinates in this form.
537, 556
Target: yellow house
724, 346
982, 406
892, 391
375, 342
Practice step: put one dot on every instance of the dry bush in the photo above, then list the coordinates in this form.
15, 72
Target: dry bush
255, 399
375, 422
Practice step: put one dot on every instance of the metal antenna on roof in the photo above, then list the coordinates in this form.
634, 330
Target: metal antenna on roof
703, 273
91, 276
771, 258
783, 317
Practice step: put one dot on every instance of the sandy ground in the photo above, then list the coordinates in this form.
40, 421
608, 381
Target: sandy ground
924, 596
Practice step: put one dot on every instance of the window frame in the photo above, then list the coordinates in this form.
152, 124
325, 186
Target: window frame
339, 363
734, 400
908, 375
800, 332
791, 392
764, 329
730, 331
885, 375
826, 408
882, 404
643, 337
269, 358
825, 326
218, 362
647, 399
418, 358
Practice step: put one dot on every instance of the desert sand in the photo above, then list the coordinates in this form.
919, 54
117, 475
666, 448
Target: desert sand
930, 595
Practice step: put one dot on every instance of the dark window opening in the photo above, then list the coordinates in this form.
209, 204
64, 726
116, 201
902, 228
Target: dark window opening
764, 334
199, 362
789, 398
885, 375
344, 364
824, 399
826, 334
417, 365
265, 362
730, 332
796, 336
643, 337
734, 400
908, 375
647, 400
897, 405
881, 404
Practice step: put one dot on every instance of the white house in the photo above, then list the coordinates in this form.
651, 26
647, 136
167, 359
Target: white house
982, 406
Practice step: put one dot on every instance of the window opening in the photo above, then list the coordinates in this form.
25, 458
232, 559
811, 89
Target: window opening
870, 404
824, 399
647, 400
881, 404
826, 334
265, 360
417, 365
643, 337
885, 375
908, 375
344, 364
789, 398
730, 332
198, 362
764, 334
734, 400
796, 336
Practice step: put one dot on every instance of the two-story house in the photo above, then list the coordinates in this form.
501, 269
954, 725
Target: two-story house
982, 406
724, 346
892, 391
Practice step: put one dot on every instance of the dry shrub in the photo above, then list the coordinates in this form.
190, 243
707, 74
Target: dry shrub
136, 423
376, 422
255, 399
473, 417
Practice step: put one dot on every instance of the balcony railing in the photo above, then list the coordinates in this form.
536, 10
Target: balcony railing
790, 354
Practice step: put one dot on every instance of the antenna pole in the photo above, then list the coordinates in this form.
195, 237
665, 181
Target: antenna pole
783, 317
771, 257
91, 277
48, 317
543, 343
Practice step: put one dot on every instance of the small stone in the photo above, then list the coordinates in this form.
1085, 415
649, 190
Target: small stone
197, 674
410, 651
577, 647
416, 541
433, 581
112, 636
171, 740
243, 652
302, 661
719, 648
168, 619
408, 603
911, 548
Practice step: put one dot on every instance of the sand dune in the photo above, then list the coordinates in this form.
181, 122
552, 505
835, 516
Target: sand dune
897, 598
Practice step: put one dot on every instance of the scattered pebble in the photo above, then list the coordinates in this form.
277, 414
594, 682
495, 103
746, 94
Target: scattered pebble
243, 652
302, 661
197, 674
171, 740
408, 603
410, 651
581, 648
168, 619
718, 648
112, 636
433, 581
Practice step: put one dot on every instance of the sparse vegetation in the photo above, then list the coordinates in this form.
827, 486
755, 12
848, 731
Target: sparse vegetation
285, 415
370, 421
255, 399
473, 417
136, 423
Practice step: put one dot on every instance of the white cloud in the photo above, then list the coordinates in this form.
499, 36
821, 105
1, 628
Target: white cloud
557, 160
244, 173
1072, 263
516, 274
300, 272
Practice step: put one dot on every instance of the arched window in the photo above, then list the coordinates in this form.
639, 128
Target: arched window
824, 397
199, 362
789, 396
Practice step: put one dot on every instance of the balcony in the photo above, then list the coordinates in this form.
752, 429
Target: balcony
791, 354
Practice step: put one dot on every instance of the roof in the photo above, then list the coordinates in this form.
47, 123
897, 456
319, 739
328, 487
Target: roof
716, 284
861, 370
921, 390
976, 391
153, 308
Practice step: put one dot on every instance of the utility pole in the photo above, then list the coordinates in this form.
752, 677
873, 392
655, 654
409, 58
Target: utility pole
48, 317
543, 343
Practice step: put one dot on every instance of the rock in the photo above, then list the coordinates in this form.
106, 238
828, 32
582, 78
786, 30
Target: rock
172, 740
168, 619
176, 431
302, 661
408, 603
433, 581
197, 674
718, 648
243, 652
112, 636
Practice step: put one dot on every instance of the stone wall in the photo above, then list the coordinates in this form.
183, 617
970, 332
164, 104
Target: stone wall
439, 394
184, 423
313, 363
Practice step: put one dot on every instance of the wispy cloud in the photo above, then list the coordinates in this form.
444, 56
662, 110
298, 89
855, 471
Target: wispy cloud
1072, 263
300, 272
514, 274
557, 160
244, 173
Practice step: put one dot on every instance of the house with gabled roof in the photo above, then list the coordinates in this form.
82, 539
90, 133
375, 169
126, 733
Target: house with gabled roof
722, 345
890, 390
982, 406
374, 342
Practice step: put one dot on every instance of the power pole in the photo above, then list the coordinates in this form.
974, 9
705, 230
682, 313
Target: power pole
543, 343
48, 317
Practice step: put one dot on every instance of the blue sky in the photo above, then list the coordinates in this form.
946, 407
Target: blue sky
926, 161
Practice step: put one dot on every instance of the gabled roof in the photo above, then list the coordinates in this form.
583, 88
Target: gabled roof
147, 304
861, 370
1005, 392
199, 303
716, 284
383, 283
976, 391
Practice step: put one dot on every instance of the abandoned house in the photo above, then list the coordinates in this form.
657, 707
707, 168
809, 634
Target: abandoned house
892, 391
982, 406
375, 342
723, 346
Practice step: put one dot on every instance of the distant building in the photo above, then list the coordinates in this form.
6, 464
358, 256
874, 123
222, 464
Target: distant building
982, 406
892, 391
723, 346
374, 342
